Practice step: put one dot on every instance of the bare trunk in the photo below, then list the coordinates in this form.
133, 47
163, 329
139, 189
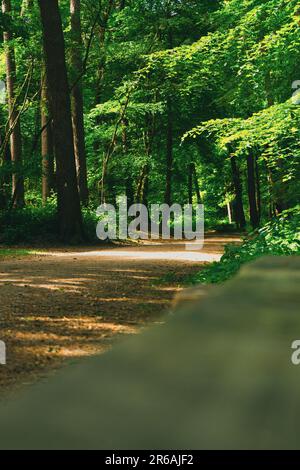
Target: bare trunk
193, 184
169, 160
14, 121
258, 191
254, 216
170, 124
102, 61
5, 179
142, 186
190, 182
46, 143
26, 6
77, 101
198, 193
238, 203
229, 212
69, 213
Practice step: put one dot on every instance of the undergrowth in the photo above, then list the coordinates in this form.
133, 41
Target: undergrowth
279, 237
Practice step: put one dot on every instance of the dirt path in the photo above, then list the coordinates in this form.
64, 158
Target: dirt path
67, 304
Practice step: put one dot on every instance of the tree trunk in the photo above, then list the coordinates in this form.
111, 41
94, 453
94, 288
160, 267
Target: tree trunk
102, 52
169, 169
254, 216
258, 191
190, 182
169, 160
69, 212
238, 203
229, 213
142, 186
5, 178
77, 101
14, 121
198, 193
47, 143
26, 6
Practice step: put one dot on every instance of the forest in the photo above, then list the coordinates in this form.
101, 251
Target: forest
164, 101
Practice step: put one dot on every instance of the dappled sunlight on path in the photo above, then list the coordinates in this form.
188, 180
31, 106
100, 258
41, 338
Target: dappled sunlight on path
70, 303
191, 256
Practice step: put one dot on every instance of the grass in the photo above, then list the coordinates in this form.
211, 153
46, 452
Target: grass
12, 252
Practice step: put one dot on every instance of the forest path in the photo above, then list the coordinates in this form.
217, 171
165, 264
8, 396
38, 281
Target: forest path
70, 303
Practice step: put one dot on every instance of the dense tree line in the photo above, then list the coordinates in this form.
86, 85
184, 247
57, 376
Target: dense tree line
164, 100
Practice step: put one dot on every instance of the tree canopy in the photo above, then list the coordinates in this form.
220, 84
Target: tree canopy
169, 101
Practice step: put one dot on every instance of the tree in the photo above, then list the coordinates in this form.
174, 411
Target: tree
77, 100
47, 142
251, 180
164, 98
14, 118
238, 189
69, 212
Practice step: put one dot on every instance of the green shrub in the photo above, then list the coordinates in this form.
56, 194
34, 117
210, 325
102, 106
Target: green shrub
281, 236
39, 225
28, 224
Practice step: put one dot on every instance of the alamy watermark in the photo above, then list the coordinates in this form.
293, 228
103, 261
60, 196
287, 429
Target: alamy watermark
2, 92
159, 221
296, 93
2, 353
295, 358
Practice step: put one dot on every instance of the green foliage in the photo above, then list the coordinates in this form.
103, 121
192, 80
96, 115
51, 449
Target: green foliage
272, 135
217, 72
11, 253
281, 236
39, 225
31, 224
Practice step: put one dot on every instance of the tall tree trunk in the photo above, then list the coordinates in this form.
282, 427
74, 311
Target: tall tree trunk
190, 182
141, 196
258, 190
47, 143
254, 216
272, 212
5, 178
26, 5
69, 212
169, 159
229, 212
102, 51
14, 121
193, 183
129, 191
143, 182
238, 203
198, 193
77, 101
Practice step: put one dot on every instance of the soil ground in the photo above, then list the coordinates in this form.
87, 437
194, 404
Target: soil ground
64, 304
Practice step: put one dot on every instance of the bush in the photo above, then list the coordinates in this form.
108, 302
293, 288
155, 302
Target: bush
281, 236
39, 225
28, 224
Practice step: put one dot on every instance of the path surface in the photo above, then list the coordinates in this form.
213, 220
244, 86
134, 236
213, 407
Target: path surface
67, 304
217, 375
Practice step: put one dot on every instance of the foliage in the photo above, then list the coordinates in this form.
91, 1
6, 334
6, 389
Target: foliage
38, 225
217, 75
281, 236
12, 253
